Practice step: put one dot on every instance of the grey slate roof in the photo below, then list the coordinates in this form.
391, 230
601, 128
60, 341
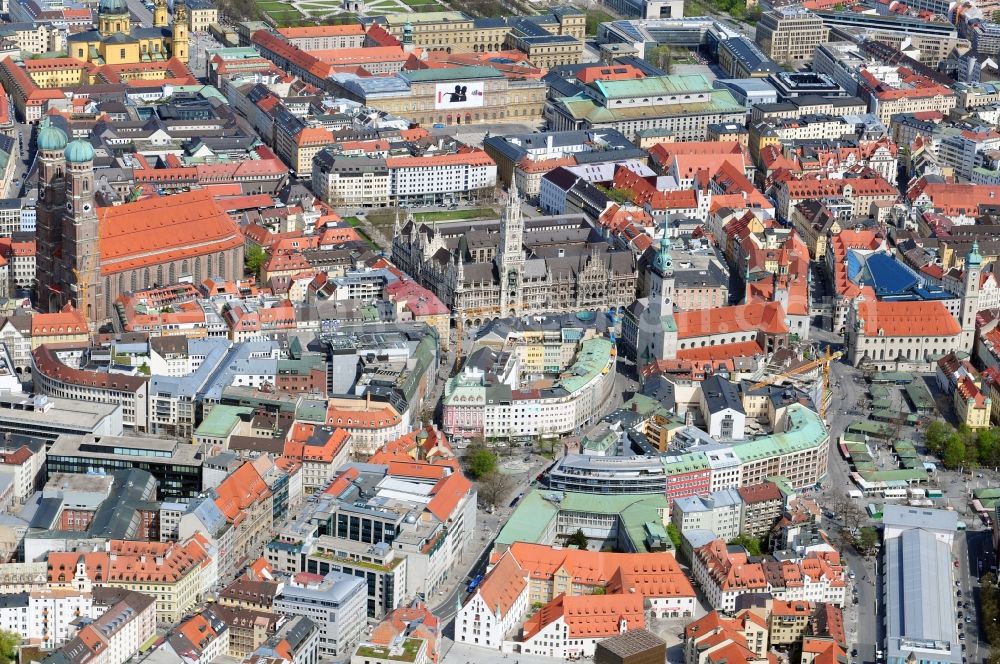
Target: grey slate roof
920, 613
720, 394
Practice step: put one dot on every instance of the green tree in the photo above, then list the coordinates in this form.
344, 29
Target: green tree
936, 436
481, 462
577, 539
675, 536
9, 641
987, 446
661, 57
751, 544
954, 452
254, 260
867, 539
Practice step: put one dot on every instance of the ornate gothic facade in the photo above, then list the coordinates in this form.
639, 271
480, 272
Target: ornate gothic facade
540, 265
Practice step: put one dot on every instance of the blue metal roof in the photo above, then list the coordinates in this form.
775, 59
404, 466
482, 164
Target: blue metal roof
855, 264
889, 276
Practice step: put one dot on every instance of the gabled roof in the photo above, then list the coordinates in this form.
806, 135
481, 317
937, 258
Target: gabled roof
767, 317
589, 616
503, 585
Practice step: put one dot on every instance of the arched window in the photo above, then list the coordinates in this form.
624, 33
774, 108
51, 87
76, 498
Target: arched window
173, 273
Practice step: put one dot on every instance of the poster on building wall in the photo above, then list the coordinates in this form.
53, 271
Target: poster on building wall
448, 96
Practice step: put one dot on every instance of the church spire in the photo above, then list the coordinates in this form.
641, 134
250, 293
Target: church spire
663, 263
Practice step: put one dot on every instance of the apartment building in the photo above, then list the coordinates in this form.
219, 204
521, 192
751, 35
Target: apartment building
128, 621
740, 639
791, 34
322, 450
54, 377
725, 572
335, 602
762, 505
46, 618
868, 196
33, 37
248, 628
475, 405
199, 639
235, 517
176, 575
403, 181
720, 512
201, 14
894, 90
23, 458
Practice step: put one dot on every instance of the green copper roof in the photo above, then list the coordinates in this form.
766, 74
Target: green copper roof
221, 421
451, 74
655, 85
51, 137
79, 152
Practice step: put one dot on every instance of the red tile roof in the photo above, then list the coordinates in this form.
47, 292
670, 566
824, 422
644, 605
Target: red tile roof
68, 322
907, 319
503, 585
471, 157
589, 616
164, 229
351, 29
768, 317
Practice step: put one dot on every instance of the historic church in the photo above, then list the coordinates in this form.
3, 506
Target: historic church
89, 255
117, 42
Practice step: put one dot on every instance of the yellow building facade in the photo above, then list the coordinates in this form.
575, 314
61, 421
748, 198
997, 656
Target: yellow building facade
116, 41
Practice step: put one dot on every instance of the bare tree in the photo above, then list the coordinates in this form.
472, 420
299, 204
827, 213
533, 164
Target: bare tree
853, 516
494, 488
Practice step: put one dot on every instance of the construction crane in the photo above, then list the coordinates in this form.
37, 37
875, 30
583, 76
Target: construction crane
83, 290
83, 282
824, 362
